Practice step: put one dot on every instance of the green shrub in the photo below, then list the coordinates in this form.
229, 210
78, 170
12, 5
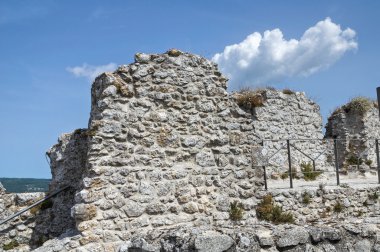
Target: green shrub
11, 245
308, 173
306, 198
278, 216
338, 207
236, 211
368, 162
360, 105
266, 210
354, 160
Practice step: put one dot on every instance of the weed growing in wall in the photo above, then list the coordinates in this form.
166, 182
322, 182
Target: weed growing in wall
306, 198
11, 245
288, 91
236, 211
359, 105
338, 207
267, 210
249, 98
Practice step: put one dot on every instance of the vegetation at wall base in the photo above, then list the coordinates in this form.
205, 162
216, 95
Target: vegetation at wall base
11, 245
267, 210
306, 198
308, 173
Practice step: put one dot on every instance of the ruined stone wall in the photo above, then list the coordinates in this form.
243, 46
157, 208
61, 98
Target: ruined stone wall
318, 227
289, 115
166, 152
68, 163
356, 133
168, 147
17, 233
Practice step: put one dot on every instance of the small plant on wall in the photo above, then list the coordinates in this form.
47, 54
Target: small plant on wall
338, 207
236, 211
250, 98
306, 198
267, 210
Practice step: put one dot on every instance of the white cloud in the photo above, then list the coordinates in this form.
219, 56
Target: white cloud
269, 58
89, 71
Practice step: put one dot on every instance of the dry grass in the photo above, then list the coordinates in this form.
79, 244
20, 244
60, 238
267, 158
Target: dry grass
359, 105
250, 98
288, 91
174, 52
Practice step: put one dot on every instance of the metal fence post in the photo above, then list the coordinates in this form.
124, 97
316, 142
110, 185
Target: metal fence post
336, 161
290, 164
313, 165
265, 178
378, 159
265, 172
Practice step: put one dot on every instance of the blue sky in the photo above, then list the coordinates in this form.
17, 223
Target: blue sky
40, 41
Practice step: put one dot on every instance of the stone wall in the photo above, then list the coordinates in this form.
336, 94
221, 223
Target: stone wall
18, 232
355, 228
68, 162
167, 151
356, 133
167, 146
289, 115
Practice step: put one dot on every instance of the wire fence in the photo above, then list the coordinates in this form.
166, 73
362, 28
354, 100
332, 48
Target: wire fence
341, 154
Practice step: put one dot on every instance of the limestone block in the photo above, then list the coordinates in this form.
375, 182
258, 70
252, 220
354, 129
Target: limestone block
213, 242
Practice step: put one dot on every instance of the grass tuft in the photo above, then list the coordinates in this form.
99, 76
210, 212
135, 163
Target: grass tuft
236, 211
250, 98
267, 210
308, 173
359, 105
11, 245
306, 198
338, 207
288, 91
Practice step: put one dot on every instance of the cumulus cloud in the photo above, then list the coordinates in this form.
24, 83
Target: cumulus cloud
90, 71
269, 58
